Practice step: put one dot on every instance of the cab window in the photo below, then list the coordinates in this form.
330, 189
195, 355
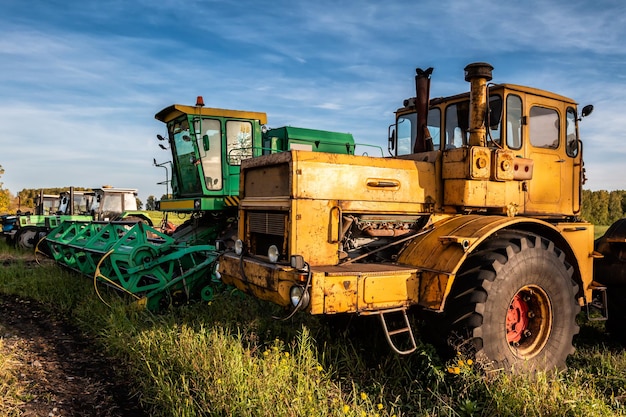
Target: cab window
493, 119
457, 125
513, 122
406, 129
239, 141
571, 139
544, 127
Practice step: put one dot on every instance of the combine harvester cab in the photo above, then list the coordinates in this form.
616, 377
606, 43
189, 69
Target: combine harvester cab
207, 146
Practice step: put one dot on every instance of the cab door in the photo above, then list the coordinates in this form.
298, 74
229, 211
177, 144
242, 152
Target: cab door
551, 189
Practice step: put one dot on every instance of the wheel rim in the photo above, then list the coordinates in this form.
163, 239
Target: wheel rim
528, 321
26, 239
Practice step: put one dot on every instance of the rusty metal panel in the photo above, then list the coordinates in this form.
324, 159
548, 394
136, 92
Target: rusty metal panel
362, 178
388, 291
269, 181
507, 195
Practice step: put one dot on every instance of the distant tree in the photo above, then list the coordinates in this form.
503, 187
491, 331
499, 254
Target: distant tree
615, 211
602, 207
5, 196
151, 203
139, 203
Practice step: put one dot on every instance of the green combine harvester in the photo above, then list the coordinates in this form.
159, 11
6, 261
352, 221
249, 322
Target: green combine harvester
207, 146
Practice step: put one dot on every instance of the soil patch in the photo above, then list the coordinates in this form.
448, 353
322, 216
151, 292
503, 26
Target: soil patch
63, 371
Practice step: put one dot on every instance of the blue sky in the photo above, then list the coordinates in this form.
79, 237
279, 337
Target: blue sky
80, 82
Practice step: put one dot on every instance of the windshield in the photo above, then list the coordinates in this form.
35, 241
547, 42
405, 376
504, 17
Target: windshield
185, 163
406, 129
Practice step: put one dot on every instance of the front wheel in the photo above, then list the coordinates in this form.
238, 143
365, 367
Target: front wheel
513, 304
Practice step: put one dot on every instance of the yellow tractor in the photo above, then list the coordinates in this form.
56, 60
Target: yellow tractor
472, 225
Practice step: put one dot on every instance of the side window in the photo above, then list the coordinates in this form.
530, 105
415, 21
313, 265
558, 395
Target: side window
434, 127
130, 201
457, 125
513, 122
405, 133
494, 117
239, 141
571, 140
544, 127
182, 137
406, 130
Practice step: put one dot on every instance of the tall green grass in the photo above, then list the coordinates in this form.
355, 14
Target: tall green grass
229, 357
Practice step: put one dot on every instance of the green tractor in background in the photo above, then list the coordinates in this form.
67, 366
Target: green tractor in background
207, 146
99, 204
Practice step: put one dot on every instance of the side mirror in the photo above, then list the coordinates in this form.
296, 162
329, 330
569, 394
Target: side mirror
587, 110
205, 143
391, 145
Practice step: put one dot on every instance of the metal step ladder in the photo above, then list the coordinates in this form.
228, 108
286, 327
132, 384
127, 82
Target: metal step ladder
599, 303
402, 330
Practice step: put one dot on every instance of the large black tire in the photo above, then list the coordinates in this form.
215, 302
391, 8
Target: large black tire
26, 238
513, 305
610, 271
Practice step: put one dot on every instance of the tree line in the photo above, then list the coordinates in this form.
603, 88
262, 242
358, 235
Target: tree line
603, 207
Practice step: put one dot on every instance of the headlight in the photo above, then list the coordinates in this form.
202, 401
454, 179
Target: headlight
273, 254
299, 296
238, 247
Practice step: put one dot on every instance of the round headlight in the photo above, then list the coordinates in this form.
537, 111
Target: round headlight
238, 247
273, 254
299, 296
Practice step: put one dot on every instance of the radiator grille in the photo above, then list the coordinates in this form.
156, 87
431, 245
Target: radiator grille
267, 223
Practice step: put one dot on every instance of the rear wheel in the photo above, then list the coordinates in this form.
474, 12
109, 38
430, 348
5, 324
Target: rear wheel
611, 272
513, 305
26, 238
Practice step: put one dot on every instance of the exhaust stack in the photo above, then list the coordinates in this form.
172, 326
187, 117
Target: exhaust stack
423, 141
477, 74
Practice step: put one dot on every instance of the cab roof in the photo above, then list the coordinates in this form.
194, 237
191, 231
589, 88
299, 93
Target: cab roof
176, 110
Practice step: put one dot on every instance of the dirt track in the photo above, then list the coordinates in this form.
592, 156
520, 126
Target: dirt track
64, 373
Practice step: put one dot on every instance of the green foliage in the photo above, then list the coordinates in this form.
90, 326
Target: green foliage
5, 197
603, 207
150, 203
5, 201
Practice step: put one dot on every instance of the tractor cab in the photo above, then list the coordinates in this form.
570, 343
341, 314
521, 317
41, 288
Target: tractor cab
207, 146
516, 151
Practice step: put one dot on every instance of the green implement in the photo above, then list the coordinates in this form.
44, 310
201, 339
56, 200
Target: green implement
150, 266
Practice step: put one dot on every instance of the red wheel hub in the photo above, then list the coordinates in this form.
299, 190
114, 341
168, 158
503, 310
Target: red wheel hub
516, 319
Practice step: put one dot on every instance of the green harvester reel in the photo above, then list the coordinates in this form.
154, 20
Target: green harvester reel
148, 265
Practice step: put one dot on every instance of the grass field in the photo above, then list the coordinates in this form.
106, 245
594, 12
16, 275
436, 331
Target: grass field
229, 357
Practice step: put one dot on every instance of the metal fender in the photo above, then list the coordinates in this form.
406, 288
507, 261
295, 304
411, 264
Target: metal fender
439, 254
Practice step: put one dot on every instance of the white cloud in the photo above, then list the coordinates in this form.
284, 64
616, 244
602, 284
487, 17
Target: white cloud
81, 85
